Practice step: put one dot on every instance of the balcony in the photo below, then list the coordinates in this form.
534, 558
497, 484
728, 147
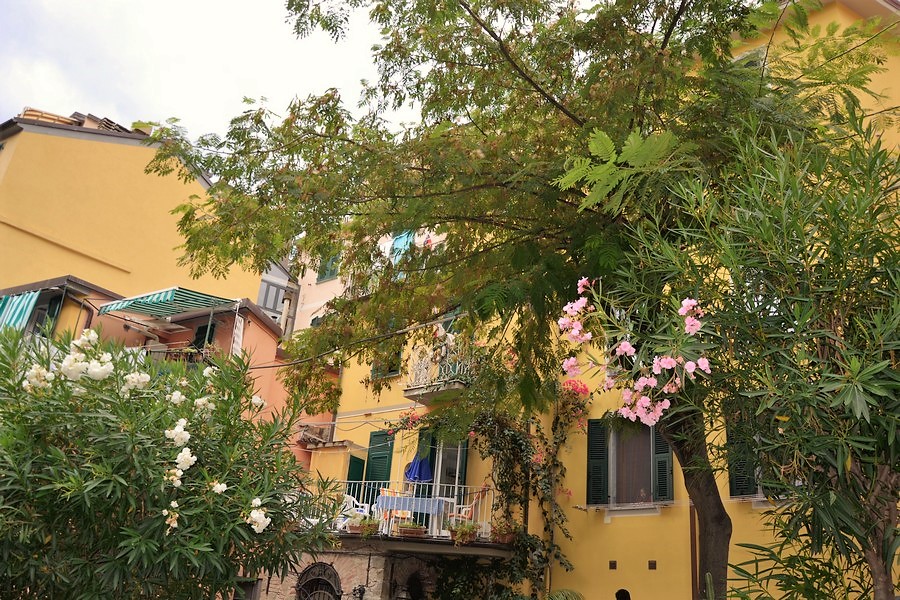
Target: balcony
422, 517
436, 371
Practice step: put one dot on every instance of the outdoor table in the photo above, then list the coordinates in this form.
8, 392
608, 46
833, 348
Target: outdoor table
429, 506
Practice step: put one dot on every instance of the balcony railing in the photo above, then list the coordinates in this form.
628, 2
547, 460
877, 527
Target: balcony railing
436, 370
435, 508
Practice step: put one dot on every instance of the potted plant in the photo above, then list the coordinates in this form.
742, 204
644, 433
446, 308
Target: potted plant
363, 525
503, 531
410, 529
463, 532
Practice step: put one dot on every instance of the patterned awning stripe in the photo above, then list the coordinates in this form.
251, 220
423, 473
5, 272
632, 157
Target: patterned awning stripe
16, 310
166, 303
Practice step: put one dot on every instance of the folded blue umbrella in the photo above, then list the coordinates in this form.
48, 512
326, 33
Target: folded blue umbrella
419, 470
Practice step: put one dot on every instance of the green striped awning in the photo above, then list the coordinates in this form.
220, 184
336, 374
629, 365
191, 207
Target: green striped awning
16, 310
166, 303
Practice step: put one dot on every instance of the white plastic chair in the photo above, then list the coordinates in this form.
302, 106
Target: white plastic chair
350, 507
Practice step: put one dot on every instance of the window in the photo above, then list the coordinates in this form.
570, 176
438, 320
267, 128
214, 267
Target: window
742, 479
400, 244
205, 335
328, 267
271, 296
628, 467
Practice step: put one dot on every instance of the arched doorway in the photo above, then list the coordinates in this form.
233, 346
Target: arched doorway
319, 581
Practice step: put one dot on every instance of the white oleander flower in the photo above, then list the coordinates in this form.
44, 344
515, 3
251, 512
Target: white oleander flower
256, 503
257, 402
177, 434
99, 370
37, 377
173, 504
258, 520
73, 366
204, 405
135, 381
176, 397
218, 488
185, 459
209, 371
88, 338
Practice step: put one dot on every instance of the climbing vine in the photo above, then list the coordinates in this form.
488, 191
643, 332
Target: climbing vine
526, 465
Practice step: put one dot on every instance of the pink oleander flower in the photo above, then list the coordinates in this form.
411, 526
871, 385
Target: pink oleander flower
583, 284
691, 325
657, 367
673, 387
667, 362
565, 323
627, 413
625, 348
687, 306
703, 364
627, 395
574, 308
689, 367
644, 402
570, 366
643, 382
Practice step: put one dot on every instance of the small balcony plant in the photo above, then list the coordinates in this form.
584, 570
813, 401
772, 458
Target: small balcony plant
410, 529
363, 525
462, 532
503, 530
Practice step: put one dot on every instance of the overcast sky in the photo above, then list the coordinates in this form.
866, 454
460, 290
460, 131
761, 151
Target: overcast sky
148, 60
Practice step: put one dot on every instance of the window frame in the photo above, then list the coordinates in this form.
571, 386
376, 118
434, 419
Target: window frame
602, 465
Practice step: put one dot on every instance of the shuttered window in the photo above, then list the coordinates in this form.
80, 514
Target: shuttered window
741, 467
598, 463
662, 468
629, 467
381, 449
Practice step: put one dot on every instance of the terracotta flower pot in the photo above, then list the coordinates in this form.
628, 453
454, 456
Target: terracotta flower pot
411, 531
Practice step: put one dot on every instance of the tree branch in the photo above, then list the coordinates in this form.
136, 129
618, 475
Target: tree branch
504, 50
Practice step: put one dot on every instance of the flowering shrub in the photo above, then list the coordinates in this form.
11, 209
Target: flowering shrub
121, 478
646, 387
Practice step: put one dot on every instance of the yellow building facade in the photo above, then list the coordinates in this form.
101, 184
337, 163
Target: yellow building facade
74, 199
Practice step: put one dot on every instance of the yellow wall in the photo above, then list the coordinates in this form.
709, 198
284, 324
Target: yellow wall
886, 83
81, 204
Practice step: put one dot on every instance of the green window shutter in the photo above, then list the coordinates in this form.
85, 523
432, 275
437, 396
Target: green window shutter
741, 467
662, 468
355, 472
356, 469
597, 463
328, 267
381, 450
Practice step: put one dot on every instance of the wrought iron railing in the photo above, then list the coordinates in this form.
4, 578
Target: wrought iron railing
437, 368
436, 508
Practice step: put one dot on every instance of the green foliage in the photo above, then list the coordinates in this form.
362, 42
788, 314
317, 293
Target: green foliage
506, 90
91, 502
794, 571
794, 244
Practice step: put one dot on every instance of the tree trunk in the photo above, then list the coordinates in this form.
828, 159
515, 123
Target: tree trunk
882, 582
687, 437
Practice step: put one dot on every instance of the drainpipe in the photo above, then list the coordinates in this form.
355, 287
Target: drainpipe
288, 310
